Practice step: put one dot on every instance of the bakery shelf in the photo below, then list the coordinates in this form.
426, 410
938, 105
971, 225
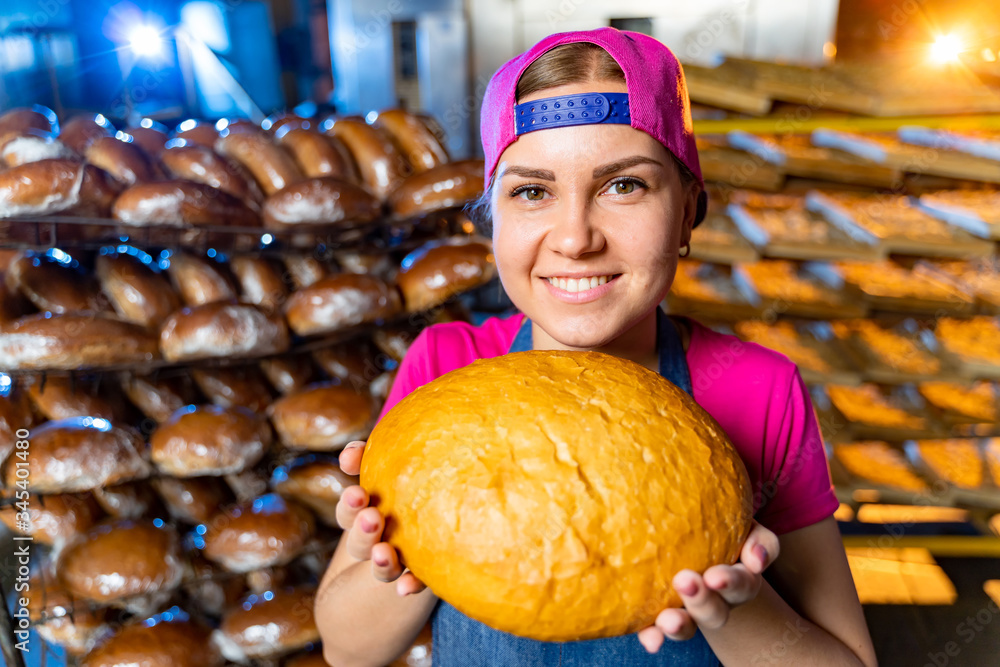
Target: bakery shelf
879, 471
812, 346
971, 466
895, 353
811, 289
718, 240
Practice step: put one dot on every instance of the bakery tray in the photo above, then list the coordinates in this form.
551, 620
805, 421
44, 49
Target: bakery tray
718, 240
975, 211
811, 289
979, 278
884, 468
973, 344
918, 355
711, 291
889, 286
820, 357
964, 464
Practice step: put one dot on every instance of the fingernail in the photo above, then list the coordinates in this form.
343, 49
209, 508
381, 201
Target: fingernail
368, 526
689, 589
380, 561
761, 553
723, 586
353, 445
354, 501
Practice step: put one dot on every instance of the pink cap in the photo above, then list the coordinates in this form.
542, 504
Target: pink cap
657, 93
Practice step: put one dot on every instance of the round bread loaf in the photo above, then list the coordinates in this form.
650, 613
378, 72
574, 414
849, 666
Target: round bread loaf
150, 136
261, 281
197, 133
128, 500
201, 164
79, 132
444, 186
316, 153
181, 203
53, 286
79, 454
98, 191
92, 567
67, 342
160, 642
15, 414
279, 120
316, 483
340, 301
125, 161
320, 201
395, 341
259, 533
22, 119
272, 166
234, 386
439, 270
221, 329
322, 417
290, 373
31, 146
54, 519
209, 440
138, 294
268, 626
193, 500
157, 397
380, 164
60, 619
352, 363
62, 397
200, 280
303, 269
42, 187
414, 140
563, 489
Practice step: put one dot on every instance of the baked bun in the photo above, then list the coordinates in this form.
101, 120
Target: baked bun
23, 119
126, 162
157, 397
63, 342
322, 417
43, 187
234, 386
419, 147
201, 164
59, 618
272, 166
31, 146
79, 454
439, 270
98, 191
137, 293
163, 642
79, 132
317, 154
193, 500
281, 119
268, 626
55, 519
304, 270
339, 302
93, 567
222, 329
62, 397
352, 363
209, 440
15, 414
394, 341
289, 373
317, 202
197, 133
464, 467
260, 280
54, 286
150, 136
317, 484
380, 164
180, 203
129, 500
200, 280
442, 187
263, 532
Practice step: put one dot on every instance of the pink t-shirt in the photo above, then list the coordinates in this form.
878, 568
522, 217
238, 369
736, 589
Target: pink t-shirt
754, 393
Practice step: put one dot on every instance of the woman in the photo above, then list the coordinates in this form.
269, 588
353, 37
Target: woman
592, 187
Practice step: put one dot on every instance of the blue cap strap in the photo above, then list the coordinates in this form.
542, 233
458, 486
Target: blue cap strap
581, 109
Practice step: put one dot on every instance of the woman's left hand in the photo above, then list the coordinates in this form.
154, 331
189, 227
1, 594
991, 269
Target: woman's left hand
709, 597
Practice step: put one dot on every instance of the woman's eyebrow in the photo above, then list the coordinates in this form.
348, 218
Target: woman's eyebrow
625, 163
528, 172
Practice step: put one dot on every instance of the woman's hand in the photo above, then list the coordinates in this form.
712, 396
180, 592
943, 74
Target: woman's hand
364, 527
708, 598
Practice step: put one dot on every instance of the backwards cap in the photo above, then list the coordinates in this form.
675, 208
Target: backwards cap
657, 101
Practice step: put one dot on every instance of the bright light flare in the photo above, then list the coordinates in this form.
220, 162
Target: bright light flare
947, 49
145, 41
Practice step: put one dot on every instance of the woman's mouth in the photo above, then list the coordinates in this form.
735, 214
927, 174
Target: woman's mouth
579, 284
582, 289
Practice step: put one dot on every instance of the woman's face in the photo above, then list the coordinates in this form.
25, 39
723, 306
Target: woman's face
587, 225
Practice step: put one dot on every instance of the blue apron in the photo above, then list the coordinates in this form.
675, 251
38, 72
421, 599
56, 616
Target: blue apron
460, 641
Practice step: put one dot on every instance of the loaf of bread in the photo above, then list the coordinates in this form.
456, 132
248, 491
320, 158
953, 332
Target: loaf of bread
268, 626
380, 164
263, 532
442, 187
167, 641
322, 417
126, 162
340, 301
200, 280
182, 203
234, 386
413, 138
55, 286
439, 270
209, 440
79, 132
31, 146
54, 519
150, 136
317, 202
221, 329
75, 341
316, 153
201, 164
272, 166
192, 500
138, 294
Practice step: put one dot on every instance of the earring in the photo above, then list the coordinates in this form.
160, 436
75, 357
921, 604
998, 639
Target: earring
685, 251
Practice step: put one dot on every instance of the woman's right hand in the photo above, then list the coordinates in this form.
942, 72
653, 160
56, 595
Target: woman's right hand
364, 525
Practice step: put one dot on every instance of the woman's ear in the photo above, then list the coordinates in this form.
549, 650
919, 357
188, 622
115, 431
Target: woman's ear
695, 203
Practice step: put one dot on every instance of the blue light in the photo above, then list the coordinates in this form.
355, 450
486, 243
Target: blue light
158, 523
59, 256
201, 529
268, 595
146, 123
123, 136
6, 384
186, 125
211, 252
266, 239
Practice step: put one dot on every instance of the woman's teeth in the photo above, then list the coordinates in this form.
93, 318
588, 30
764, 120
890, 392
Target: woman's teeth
579, 284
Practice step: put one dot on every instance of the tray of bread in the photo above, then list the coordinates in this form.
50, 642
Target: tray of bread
781, 226
885, 412
718, 240
884, 467
901, 227
962, 463
811, 289
722, 164
889, 286
963, 402
973, 343
979, 278
713, 291
976, 211
810, 345
895, 352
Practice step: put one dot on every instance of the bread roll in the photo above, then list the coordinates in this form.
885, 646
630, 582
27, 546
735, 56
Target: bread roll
304, 270
316, 202
55, 519
272, 167
380, 164
23, 119
209, 440
192, 500
289, 373
98, 192
54, 286
263, 532
439, 270
167, 643
316, 154
62, 397
277, 121
157, 397
266, 627
395, 341
221, 330
15, 414
150, 136
200, 280
40, 188
352, 364
260, 280
317, 484
80, 454
59, 618
181, 203
197, 133
378, 264
40, 342
31, 146
129, 500
79, 132
201, 164
138, 294
418, 146
322, 417
442, 187
234, 386
465, 466
93, 567
339, 302
126, 162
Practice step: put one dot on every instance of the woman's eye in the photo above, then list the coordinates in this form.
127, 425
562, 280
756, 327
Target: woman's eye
622, 188
533, 194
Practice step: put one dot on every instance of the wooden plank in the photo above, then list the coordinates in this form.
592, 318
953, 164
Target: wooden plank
739, 169
722, 87
718, 240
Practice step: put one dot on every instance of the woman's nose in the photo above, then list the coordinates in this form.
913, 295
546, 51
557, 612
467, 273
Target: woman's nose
576, 231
